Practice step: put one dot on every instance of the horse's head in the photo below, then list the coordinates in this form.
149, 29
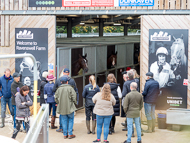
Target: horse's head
83, 62
113, 59
177, 51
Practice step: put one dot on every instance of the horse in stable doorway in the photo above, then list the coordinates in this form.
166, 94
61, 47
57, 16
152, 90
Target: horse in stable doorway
80, 65
112, 60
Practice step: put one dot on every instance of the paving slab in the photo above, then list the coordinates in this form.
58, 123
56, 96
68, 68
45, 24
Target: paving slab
159, 136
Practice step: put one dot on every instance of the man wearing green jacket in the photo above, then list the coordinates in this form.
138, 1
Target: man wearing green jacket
132, 105
65, 97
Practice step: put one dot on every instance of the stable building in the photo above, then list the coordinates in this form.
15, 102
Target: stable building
29, 26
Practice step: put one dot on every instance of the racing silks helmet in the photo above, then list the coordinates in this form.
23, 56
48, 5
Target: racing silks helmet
162, 50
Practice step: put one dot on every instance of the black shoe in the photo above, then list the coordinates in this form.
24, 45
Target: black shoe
106, 142
126, 142
125, 129
132, 135
123, 124
110, 132
139, 142
96, 141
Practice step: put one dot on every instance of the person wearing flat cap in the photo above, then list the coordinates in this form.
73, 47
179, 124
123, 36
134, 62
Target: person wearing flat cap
71, 82
150, 93
15, 87
65, 97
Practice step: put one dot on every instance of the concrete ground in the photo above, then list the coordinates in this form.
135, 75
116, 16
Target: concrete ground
160, 136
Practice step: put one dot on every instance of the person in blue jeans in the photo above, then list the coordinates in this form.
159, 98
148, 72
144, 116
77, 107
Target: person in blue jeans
15, 89
49, 96
71, 81
65, 97
132, 105
150, 93
104, 102
5, 94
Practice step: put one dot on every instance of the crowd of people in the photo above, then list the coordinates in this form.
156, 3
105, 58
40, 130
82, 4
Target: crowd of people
15, 94
102, 105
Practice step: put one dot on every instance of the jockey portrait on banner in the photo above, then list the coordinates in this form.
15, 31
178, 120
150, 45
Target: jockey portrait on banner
168, 50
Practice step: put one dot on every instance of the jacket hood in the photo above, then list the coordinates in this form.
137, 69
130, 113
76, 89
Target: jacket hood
44, 79
65, 85
113, 85
150, 79
67, 76
16, 82
9, 77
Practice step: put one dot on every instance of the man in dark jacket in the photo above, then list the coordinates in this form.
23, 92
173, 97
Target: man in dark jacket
132, 105
42, 84
5, 94
71, 82
15, 88
126, 89
126, 85
150, 93
122, 112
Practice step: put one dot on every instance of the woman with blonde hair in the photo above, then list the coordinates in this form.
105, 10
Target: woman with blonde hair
104, 102
89, 91
135, 73
116, 91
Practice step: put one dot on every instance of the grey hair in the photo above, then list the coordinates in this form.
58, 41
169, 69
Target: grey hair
7, 69
133, 85
130, 74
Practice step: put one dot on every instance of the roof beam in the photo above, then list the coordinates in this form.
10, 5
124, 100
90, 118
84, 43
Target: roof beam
95, 12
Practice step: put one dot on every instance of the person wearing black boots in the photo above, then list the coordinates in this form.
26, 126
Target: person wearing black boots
116, 91
89, 91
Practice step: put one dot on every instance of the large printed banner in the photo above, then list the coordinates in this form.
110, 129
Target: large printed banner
45, 3
168, 61
136, 2
71, 3
89, 3
35, 42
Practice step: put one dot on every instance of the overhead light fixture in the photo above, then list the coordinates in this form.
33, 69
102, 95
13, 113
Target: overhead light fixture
126, 23
129, 17
117, 24
89, 21
62, 20
82, 23
108, 22
104, 16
